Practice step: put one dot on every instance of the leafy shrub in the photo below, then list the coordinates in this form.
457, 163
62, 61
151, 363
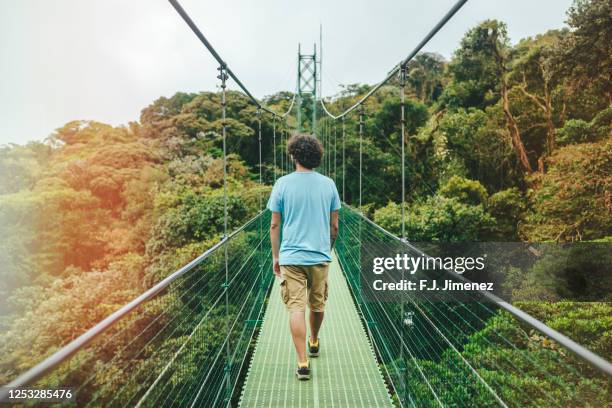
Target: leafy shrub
466, 191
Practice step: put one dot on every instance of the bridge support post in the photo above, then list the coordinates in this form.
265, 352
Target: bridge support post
307, 85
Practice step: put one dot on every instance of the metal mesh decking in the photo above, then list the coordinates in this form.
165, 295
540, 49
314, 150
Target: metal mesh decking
345, 375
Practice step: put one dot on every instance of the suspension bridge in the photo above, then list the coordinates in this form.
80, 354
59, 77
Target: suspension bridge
214, 333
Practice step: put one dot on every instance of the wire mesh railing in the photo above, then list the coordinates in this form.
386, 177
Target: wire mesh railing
182, 343
466, 352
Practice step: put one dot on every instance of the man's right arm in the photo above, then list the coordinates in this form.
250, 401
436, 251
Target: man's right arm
333, 228
336, 204
275, 205
275, 225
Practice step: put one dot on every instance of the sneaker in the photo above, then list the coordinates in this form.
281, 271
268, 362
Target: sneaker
303, 371
313, 348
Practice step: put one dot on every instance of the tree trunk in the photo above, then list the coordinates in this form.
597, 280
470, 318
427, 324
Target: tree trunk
515, 135
550, 126
424, 91
545, 104
541, 168
550, 134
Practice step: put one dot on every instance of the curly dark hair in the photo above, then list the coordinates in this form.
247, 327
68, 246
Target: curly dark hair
306, 150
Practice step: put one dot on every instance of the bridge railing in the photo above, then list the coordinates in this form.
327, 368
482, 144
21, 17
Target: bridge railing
182, 342
476, 351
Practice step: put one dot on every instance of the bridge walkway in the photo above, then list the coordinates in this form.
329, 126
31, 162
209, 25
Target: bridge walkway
346, 374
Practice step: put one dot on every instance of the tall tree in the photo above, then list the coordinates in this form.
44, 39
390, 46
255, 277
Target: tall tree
586, 53
479, 71
497, 37
426, 76
536, 77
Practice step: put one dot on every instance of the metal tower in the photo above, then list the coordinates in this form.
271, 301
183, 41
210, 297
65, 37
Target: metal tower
307, 85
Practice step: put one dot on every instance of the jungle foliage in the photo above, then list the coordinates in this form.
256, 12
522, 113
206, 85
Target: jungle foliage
505, 142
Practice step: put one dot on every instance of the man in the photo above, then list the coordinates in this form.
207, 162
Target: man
307, 204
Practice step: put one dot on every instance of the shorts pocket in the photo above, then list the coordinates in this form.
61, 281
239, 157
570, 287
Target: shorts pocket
284, 292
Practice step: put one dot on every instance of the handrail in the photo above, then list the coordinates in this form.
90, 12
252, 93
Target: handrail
402, 63
581, 351
181, 11
75, 345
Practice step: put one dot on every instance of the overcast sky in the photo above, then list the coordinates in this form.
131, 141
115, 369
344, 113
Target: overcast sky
105, 60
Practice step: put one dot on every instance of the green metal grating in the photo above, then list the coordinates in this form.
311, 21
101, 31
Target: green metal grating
345, 375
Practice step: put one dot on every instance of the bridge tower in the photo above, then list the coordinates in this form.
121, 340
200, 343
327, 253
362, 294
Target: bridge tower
307, 85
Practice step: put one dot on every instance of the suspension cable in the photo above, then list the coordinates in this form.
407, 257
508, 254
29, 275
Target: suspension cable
325, 147
343, 159
181, 11
258, 114
404, 62
402, 79
335, 153
274, 143
282, 150
360, 153
260, 191
329, 144
328, 141
223, 77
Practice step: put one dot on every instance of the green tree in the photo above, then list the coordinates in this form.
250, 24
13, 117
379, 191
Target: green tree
585, 56
580, 131
438, 219
571, 201
538, 79
467, 191
479, 78
426, 76
508, 208
477, 142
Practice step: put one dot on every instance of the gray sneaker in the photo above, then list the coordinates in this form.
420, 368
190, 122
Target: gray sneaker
313, 348
303, 371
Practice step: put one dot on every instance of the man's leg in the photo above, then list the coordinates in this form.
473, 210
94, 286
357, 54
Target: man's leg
294, 292
317, 298
297, 323
316, 318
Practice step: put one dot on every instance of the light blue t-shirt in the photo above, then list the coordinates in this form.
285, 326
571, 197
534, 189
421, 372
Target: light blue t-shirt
305, 201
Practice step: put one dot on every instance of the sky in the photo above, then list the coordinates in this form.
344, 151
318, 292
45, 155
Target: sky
105, 60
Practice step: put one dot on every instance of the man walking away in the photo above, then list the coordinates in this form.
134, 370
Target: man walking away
306, 203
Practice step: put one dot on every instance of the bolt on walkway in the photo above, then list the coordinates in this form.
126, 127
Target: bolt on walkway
346, 374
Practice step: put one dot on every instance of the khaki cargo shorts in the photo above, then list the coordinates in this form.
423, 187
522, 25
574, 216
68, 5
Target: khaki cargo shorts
302, 284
